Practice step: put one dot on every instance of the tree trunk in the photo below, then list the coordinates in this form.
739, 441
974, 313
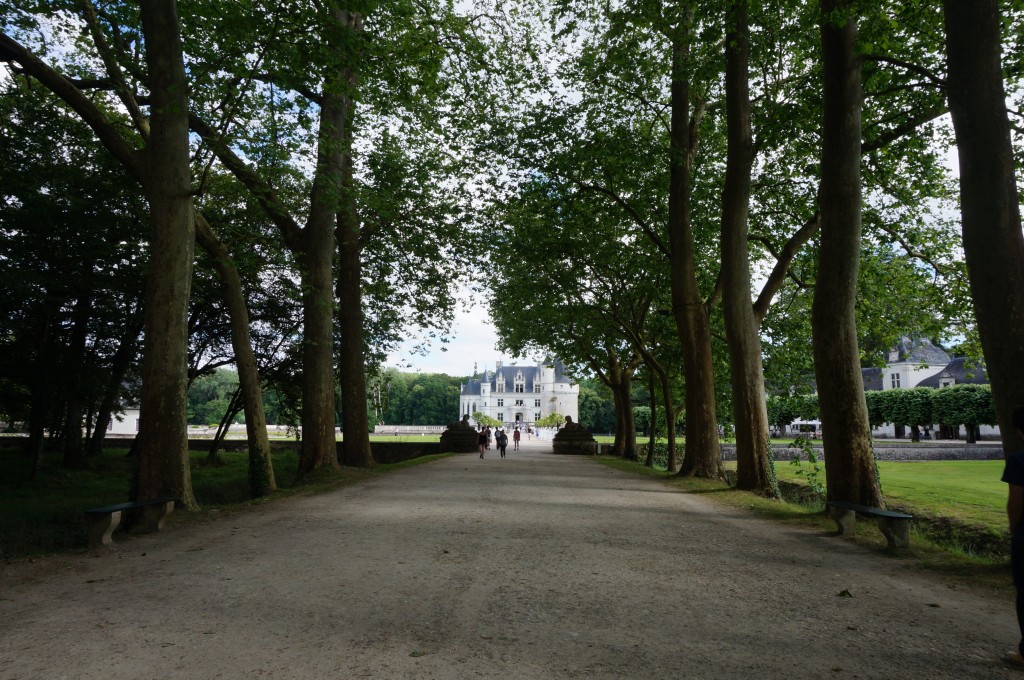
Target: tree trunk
753, 466
163, 464
351, 361
119, 367
319, 444
234, 406
39, 405
619, 445
989, 202
73, 453
624, 390
319, 448
846, 432
652, 439
670, 414
262, 481
703, 456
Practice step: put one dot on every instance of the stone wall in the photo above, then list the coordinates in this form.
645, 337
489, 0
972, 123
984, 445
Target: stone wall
908, 451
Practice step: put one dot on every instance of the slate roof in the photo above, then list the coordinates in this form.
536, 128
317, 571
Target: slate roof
961, 370
920, 351
531, 375
472, 387
872, 378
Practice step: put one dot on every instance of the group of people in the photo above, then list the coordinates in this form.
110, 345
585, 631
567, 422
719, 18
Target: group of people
500, 438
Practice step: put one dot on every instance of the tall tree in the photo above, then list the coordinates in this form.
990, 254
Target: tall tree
990, 205
163, 468
118, 56
846, 431
754, 468
703, 456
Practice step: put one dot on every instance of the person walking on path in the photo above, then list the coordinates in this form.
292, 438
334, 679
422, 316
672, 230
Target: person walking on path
482, 442
515, 439
502, 440
488, 431
1013, 475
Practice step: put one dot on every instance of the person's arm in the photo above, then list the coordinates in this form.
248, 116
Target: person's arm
1015, 506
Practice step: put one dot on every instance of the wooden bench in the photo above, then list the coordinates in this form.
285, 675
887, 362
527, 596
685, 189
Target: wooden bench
895, 526
101, 522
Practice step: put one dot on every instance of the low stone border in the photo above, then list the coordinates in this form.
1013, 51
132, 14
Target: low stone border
895, 452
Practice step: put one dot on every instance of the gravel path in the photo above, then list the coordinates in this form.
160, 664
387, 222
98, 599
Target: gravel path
535, 566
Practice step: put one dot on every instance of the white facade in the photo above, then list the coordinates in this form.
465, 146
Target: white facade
521, 394
916, 362
907, 367
124, 423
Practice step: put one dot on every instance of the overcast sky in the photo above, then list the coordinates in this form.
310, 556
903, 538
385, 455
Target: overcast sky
473, 340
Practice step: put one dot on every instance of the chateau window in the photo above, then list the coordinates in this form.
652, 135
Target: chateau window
501, 402
520, 387
519, 402
536, 416
501, 417
536, 387
895, 380
536, 402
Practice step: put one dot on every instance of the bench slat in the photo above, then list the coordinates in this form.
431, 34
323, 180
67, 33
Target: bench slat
870, 511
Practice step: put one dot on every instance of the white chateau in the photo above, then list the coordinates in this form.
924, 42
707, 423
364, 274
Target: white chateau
521, 394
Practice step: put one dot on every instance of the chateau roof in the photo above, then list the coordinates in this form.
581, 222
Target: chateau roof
531, 376
919, 351
961, 370
872, 378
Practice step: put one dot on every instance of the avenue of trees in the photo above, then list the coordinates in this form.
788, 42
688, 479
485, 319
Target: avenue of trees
700, 202
730, 200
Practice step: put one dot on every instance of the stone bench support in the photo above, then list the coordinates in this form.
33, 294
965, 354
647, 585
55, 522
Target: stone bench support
895, 526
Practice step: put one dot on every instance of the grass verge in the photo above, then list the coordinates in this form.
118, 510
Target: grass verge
43, 515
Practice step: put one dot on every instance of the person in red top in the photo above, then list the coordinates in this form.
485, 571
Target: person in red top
1013, 474
515, 439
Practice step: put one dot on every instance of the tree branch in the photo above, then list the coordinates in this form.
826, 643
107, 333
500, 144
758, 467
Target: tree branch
109, 134
782, 262
928, 74
264, 193
110, 62
628, 207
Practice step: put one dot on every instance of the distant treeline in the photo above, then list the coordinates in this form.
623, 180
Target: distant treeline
394, 398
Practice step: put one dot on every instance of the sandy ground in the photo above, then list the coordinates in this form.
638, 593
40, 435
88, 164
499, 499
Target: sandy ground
535, 566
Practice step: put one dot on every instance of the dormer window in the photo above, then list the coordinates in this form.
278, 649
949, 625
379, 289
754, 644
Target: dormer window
520, 382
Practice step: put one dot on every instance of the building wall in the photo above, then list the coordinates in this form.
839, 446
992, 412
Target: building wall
125, 424
552, 397
909, 374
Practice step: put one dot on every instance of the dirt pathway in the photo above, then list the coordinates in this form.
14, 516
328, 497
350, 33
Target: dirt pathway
535, 566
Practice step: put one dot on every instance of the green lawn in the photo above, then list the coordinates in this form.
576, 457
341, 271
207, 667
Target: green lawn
44, 514
968, 490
